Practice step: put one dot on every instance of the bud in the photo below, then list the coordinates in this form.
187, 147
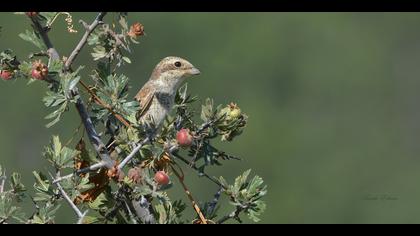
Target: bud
136, 30
135, 175
39, 70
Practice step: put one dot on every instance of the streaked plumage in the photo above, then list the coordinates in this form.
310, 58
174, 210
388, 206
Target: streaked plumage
157, 96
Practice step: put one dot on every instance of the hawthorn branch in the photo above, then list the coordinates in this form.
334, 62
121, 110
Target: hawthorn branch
130, 214
233, 215
66, 197
105, 163
133, 152
82, 42
190, 197
106, 106
43, 32
212, 179
91, 168
213, 203
93, 135
81, 108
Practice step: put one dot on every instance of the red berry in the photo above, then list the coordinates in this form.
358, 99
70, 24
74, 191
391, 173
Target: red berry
6, 75
39, 70
184, 138
161, 178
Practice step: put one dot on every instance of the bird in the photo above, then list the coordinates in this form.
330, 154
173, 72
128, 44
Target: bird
157, 96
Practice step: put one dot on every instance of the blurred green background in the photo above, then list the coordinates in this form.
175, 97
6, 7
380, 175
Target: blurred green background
332, 99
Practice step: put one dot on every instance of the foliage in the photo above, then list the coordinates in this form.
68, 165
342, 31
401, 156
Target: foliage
130, 194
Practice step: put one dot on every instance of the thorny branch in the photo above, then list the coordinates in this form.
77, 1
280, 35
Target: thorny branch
89, 30
79, 214
106, 106
190, 197
212, 179
233, 215
133, 152
43, 32
81, 108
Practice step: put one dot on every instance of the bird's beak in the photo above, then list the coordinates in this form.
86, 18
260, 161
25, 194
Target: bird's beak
194, 71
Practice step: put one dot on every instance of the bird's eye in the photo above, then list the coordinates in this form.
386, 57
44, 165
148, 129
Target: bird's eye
177, 64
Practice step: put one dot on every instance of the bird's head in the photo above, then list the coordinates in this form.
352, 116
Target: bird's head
173, 70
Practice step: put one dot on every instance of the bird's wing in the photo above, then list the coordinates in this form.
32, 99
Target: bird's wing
145, 97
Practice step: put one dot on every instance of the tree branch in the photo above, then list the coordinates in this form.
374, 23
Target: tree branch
82, 42
190, 197
66, 197
104, 105
133, 152
93, 135
212, 179
81, 108
43, 32
233, 215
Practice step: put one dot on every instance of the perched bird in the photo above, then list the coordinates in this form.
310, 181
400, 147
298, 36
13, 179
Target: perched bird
156, 99
157, 96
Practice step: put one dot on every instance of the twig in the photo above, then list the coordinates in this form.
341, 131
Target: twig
79, 214
133, 152
105, 163
233, 215
103, 104
91, 168
133, 219
190, 197
213, 203
197, 151
83, 41
43, 32
80, 221
212, 179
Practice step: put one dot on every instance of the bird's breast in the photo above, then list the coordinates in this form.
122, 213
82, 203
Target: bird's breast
159, 108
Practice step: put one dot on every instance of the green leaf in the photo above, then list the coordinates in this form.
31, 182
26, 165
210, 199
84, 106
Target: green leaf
254, 214
44, 191
16, 184
123, 22
207, 110
91, 220
241, 180
160, 209
46, 214
61, 157
55, 65
84, 184
102, 203
33, 38
126, 59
